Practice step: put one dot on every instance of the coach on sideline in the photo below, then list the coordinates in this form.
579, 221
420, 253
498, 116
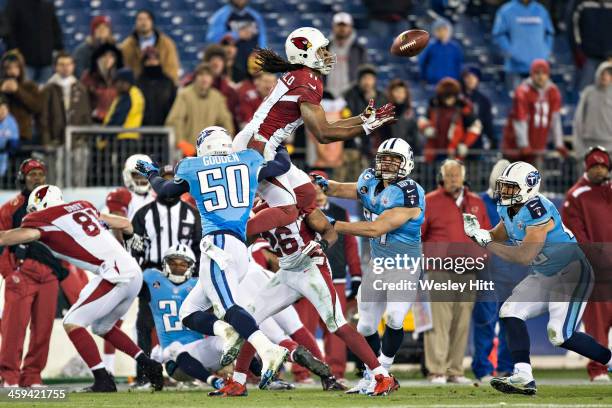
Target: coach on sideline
443, 236
158, 226
586, 212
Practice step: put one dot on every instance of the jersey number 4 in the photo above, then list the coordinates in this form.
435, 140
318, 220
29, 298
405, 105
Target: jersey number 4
235, 190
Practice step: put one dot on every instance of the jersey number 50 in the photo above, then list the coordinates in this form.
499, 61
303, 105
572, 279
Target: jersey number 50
235, 190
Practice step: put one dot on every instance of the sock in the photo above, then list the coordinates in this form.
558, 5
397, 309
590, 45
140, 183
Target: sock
517, 338
271, 218
192, 367
385, 361
86, 347
358, 345
524, 368
239, 377
380, 370
374, 342
109, 348
122, 342
202, 322
289, 345
392, 341
109, 361
304, 337
586, 346
242, 322
245, 358
260, 342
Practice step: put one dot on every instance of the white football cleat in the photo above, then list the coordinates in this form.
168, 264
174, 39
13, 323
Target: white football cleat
601, 378
232, 343
517, 383
271, 362
362, 385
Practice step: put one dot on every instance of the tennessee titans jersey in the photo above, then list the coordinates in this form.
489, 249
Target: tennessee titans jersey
375, 199
166, 300
560, 247
223, 188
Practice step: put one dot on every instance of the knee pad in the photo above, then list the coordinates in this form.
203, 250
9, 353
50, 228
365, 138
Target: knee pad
100, 330
366, 328
555, 333
395, 320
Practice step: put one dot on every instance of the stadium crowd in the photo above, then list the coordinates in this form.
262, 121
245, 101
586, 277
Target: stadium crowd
138, 81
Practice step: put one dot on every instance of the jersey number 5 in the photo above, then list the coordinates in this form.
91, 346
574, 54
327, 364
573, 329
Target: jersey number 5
235, 190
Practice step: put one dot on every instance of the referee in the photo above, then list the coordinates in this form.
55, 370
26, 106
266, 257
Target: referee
158, 226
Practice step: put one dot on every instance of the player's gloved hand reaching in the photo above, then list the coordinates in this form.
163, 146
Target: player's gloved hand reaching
472, 229
378, 117
137, 244
355, 284
320, 181
315, 248
146, 168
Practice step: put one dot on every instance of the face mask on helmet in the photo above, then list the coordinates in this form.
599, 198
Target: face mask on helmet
507, 193
132, 179
178, 268
325, 61
389, 166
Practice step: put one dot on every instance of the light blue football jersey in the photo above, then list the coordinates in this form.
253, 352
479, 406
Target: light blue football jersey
223, 188
165, 303
560, 247
376, 199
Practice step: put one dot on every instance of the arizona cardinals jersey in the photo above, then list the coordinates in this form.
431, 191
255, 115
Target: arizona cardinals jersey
125, 202
279, 114
73, 232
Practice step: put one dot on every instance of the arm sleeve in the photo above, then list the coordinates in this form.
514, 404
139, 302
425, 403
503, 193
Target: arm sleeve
280, 165
138, 223
167, 188
351, 252
145, 294
308, 95
500, 32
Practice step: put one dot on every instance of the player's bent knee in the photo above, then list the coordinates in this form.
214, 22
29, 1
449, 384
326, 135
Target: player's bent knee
555, 334
100, 329
395, 320
366, 329
68, 327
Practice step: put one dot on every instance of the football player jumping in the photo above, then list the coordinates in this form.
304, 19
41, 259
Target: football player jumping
561, 281
76, 232
394, 208
296, 100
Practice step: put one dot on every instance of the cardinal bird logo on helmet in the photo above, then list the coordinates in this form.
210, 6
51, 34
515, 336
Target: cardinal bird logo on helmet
302, 43
40, 194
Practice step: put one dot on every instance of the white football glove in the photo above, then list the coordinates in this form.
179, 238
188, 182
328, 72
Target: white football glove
373, 118
482, 237
470, 224
137, 244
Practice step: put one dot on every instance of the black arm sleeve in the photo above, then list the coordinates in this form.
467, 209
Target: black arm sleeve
144, 293
280, 165
167, 188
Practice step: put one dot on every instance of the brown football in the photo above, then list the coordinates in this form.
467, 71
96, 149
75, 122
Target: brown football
410, 43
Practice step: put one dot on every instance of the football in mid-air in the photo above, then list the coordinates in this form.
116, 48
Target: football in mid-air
410, 43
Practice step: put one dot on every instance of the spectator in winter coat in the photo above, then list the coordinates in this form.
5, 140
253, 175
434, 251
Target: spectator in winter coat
100, 33
524, 32
146, 35
23, 96
443, 57
98, 79
65, 102
406, 127
349, 55
593, 120
450, 125
251, 98
127, 110
470, 79
157, 88
35, 31
216, 59
591, 36
586, 213
243, 24
197, 106
535, 117
9, 135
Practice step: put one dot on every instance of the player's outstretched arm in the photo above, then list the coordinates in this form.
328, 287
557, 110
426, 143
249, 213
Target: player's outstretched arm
318, 222
386, 222
118, 222
18, 236
366, 115
164, 188
499, 233
273, 168
335, 189
525, 253
325, 132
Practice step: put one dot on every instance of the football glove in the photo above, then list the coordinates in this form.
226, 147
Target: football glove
355, 284
470, 224
137, 244
315, 248
381, 116
320, 181
482, 237
146, 168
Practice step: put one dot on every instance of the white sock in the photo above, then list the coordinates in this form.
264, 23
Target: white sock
524, 368
380, 370
109, 362
220, 327
385, 361
97, 366
239, 377
261, 343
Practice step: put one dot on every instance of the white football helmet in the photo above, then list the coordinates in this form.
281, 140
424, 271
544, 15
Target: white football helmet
140, 186
393, 148
213, 140
44, 196
183, 252
305, 46
518, 183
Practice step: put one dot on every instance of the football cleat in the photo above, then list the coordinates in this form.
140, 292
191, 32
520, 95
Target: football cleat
273, 360
231, 346
154, 372
100, 386
303, 357
362, 385
280, 385
230, 389
331, 384
515, 384
385, 385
